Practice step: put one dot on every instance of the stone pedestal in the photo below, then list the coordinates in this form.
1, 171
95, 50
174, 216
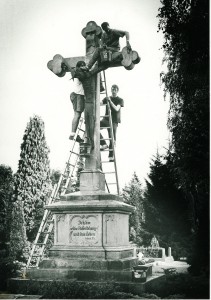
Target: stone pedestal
92, 178
91, 232
91, 235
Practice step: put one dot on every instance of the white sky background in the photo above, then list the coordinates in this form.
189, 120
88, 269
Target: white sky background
33, 31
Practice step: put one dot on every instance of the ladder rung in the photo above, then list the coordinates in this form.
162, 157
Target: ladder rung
56, 198
69, 164
81, 129
105, 116
44, 232
49, 221
106, 149
111, 182
104, 127
36, 255
106, 161
72, 165
63, 176
46, 229
106, 139
109, 172
74, 152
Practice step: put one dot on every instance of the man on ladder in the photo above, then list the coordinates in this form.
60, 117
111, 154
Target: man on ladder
78, 102
115, 103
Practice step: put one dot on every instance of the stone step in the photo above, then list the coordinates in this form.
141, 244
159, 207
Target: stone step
93, 264
81, 275
19, 296
17, 284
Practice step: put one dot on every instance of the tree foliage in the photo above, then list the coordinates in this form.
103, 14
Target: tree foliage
185, 25
32, 180
6, 189
133, 195
19, 246
55, 175
165, 207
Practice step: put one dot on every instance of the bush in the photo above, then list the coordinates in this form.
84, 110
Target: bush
190, 287
123, 295
176, 296
9, 269
4, 274
68, 289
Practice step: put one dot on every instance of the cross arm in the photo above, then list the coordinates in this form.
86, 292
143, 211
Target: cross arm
60, 65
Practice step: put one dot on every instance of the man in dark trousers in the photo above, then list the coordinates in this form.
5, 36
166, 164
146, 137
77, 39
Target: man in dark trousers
110, 42
115, 103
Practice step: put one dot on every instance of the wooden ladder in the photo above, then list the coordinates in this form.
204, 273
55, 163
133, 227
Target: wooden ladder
41, 242
110, 180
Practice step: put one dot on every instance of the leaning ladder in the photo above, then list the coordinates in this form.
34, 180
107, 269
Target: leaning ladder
40, 244
47, 223
113, 171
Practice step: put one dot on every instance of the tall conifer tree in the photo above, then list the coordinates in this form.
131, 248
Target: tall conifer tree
165, 207
133, 195
32, 180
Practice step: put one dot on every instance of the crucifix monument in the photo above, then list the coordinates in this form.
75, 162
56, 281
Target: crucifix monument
91, 226
91, 83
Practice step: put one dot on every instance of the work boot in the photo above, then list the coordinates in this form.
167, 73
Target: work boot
103, 147
71, 137
102, 89
79, 139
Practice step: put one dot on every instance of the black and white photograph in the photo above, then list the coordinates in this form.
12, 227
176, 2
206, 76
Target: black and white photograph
104, 149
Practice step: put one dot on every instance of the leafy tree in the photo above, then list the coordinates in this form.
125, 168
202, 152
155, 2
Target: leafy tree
6, 189
185, 25
133, 195
32, 180
55, 175
79, 167
74, 182
19, 246
15, 254
6, 184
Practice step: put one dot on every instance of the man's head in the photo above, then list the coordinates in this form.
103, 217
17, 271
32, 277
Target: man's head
80, 64
105, 26
114, 90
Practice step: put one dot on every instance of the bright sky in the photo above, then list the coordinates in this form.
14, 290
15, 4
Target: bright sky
33, 31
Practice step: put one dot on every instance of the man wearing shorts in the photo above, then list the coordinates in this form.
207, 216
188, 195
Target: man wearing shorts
78, 102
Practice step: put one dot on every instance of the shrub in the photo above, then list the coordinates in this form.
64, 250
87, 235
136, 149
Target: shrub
191, 287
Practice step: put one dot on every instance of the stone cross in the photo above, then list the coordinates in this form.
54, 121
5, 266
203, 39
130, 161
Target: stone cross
59, 66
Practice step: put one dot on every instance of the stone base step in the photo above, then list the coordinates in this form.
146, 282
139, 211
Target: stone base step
19, 296
93, 264
23, 285
81, 275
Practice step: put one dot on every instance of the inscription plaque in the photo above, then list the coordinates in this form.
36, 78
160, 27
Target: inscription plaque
84, 230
